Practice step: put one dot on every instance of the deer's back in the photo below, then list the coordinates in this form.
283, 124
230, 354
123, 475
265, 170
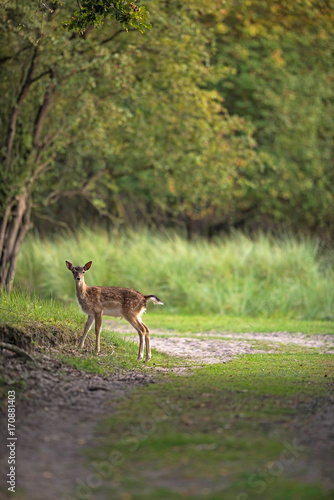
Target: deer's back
114, 299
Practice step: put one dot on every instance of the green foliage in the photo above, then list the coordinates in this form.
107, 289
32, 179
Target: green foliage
93, 13
130, 118
279, 78
236, 276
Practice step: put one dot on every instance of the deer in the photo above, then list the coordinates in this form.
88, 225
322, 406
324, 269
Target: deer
96, 301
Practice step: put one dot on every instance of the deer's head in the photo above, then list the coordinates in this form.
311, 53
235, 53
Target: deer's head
78, 271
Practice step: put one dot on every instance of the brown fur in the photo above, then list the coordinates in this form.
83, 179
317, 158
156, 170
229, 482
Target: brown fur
96, 301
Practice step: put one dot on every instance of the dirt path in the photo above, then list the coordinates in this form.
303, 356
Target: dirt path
221, 350
224, 346
56, 420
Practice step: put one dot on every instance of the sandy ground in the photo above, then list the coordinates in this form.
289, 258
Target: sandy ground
222, 350
224, 346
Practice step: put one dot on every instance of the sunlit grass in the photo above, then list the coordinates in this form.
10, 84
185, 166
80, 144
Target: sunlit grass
236, 276
20, 307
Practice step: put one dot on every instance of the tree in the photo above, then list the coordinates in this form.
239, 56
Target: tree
183, 140
49, 105
277, 72
97, 115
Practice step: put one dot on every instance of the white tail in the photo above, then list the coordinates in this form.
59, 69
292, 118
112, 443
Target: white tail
96, 301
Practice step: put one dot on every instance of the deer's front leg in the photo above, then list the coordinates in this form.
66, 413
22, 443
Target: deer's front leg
89, 322
98, 324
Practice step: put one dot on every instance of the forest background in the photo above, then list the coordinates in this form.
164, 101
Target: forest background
218, 117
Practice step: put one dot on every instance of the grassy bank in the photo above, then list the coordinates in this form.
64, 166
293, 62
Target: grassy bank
32, 322
237, 276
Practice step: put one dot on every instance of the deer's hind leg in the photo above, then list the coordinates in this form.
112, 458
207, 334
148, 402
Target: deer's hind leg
137, 325
98, 325
147, 341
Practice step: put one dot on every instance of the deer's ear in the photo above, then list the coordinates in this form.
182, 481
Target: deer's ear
69, 265
87, 266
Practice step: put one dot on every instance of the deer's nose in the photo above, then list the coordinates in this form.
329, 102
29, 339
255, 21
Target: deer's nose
78, 278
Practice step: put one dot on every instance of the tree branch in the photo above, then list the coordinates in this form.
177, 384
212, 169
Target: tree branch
52, 220
47, 72
17, 350
15, 111
8, 58
115, 35
82, 191
42, 114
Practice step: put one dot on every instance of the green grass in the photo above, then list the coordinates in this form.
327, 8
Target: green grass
118, 353
223, 432
237, 276
195, 323
20, 308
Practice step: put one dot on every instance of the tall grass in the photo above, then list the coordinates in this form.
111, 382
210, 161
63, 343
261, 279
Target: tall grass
235, 276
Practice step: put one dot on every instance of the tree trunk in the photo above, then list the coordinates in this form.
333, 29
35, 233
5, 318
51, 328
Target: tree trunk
15, 221
14, 226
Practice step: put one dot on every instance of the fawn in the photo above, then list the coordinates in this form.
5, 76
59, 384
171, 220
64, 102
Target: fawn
96, 301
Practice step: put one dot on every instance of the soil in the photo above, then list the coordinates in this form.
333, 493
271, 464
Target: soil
58, 413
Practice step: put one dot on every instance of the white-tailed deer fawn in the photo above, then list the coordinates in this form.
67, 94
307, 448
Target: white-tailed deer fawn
96, 301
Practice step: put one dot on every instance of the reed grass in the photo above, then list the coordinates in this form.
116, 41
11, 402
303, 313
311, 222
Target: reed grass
239, 275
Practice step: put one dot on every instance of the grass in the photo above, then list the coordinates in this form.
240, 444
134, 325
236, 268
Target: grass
20, 307
194, 323
237, 276
118, 353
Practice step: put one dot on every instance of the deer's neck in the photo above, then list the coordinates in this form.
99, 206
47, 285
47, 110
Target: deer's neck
81, 288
